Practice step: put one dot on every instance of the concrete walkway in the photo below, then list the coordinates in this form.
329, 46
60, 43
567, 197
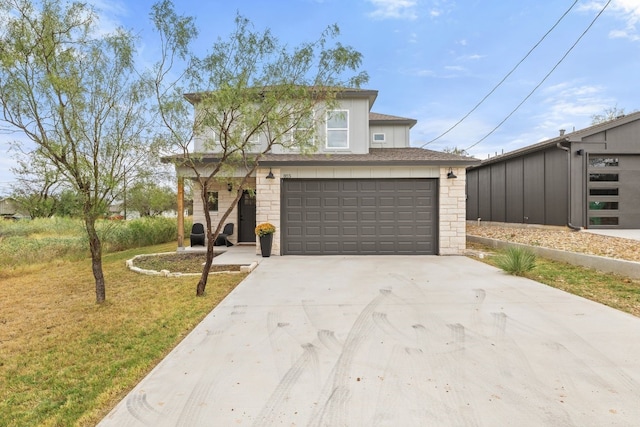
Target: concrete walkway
395, 341
627, 234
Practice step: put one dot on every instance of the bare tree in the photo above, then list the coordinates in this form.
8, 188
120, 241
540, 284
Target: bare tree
608, 114
250, 94
74, 93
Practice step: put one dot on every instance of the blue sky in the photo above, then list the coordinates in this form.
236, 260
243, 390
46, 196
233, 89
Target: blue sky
434, 60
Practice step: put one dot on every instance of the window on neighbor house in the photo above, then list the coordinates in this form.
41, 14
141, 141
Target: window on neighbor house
603, 177
212, 201
378, 137
603, 162
604, 191
603, 220
338, 129
603, 205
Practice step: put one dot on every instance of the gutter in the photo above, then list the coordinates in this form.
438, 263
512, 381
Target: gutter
568, 150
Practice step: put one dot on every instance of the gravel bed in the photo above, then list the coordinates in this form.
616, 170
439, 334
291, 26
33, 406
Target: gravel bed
562, 239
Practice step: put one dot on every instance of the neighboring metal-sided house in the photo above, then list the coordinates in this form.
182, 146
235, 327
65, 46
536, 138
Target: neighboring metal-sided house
365, 191
588, 178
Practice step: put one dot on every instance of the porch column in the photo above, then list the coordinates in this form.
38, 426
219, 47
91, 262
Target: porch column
180, 212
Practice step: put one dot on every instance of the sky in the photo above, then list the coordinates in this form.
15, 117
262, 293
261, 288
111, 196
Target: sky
435, 60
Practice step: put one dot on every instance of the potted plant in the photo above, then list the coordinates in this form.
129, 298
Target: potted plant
265, 232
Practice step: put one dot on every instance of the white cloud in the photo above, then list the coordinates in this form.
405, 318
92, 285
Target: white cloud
394, 9
627, 11
109, 13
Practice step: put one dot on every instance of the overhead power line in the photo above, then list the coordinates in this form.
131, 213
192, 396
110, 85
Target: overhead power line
544, 79
503, 79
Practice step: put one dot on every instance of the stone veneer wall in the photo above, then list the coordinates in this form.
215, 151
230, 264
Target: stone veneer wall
453, 204
268, 204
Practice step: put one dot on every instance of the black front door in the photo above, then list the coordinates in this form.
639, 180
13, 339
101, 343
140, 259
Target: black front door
247, 218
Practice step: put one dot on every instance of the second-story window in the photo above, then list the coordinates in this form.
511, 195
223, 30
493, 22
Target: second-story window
302, 133
338, 129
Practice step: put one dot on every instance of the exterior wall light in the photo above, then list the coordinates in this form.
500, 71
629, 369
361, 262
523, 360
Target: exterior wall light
270, 175
229, 186
450, 174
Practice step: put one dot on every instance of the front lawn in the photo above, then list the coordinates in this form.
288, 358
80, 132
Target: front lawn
66, 361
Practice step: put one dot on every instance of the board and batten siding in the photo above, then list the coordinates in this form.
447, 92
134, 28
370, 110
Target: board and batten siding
531, 189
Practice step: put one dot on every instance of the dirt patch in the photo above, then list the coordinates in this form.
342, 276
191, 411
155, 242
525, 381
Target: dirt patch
180, 263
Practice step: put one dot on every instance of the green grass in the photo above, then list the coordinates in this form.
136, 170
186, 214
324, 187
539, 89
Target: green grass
616, 291
66, 361
26, 242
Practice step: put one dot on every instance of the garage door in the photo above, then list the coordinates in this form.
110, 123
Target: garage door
614, 196
359, 216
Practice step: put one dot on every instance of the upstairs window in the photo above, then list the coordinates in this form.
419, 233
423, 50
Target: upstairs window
338, 129
302, 134
379, 137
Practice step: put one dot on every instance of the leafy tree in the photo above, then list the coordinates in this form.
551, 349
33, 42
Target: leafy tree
73, 91
36, 183
69, 204
150, 199
248, 86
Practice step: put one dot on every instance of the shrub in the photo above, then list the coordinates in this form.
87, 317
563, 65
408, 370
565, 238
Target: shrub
146, 231
46, 239
516, 260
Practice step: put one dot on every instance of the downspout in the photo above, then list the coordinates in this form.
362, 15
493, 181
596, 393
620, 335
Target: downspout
568, 150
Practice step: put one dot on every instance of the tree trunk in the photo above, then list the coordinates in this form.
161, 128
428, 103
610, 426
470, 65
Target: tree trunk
202, 283
96, 259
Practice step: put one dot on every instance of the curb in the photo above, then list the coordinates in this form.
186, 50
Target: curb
624, 268
166, 273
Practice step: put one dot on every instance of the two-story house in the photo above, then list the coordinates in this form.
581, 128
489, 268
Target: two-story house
364, 191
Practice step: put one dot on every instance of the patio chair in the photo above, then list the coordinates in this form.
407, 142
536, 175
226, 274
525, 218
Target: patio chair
197, 234
223, 238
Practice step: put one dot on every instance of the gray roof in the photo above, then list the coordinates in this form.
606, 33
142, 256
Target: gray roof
411, 156
576, 136
376, 156
386, 119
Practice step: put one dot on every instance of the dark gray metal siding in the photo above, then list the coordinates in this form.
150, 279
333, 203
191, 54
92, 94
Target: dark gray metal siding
528, 189
484, 193
498, 195
514, 190
533, 179
472, 194
359, 216
555, 187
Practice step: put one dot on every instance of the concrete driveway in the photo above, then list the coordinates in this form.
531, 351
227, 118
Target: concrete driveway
395, 341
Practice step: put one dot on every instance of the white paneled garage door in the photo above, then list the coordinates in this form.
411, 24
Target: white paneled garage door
359, 216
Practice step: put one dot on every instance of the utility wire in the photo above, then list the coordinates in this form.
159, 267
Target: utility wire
503, 79
543, 80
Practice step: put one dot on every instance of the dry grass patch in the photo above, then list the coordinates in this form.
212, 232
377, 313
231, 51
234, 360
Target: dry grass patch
65, 360
613, 290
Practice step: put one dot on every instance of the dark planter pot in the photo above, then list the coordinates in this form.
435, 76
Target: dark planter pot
266, 242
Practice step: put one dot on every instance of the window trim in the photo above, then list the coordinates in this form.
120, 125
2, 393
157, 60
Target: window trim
328, 130
384, 137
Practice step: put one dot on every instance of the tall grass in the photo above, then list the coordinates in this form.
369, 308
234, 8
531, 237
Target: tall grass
27, 242
516, 260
